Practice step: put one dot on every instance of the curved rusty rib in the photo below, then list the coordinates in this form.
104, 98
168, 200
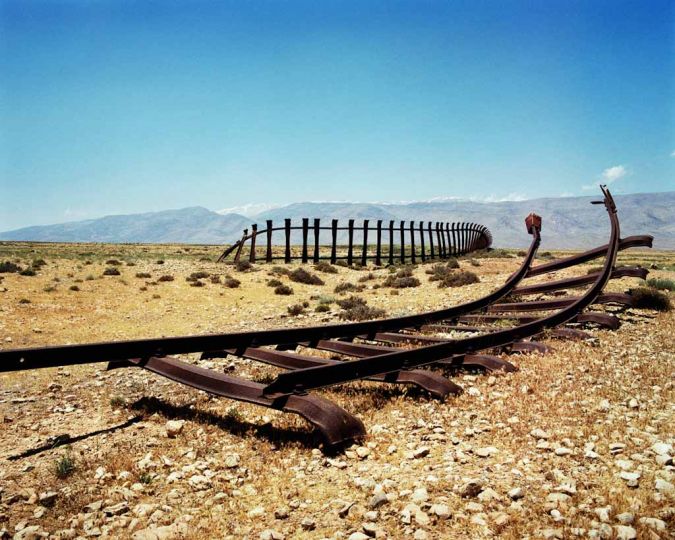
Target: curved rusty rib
347, 371
334, 423
642, 240
33, 358
437, 385
578, 281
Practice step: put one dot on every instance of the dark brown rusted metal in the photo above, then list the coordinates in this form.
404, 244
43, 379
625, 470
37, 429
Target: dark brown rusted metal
578, 281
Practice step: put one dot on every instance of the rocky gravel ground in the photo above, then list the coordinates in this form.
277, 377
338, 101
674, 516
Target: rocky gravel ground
578, 443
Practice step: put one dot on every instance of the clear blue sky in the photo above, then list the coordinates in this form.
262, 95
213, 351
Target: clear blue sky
120, 107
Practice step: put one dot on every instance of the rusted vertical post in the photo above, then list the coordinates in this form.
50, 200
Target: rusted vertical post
287, 227
456, 227
364, 254
402, 229
447, 233
438, 240
333, 246
431, 243
460, 238
241, 245
378, 249
268, 255
444, 249
391, 242
254, 233
350, 246
305, 232
412, 242
424, 255
317, 231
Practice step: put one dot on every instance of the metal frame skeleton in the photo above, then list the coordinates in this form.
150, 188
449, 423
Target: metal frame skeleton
289, 391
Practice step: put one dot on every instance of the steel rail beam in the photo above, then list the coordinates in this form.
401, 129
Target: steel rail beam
64, 355
548, 305
579, 281
317, 377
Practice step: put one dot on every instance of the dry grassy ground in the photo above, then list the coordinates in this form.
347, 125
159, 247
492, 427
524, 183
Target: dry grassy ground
576, 443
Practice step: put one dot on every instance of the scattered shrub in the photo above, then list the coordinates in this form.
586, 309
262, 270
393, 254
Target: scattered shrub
274, 283
283, 290
326, 268
131, 263
322, 308
232, 283
49, 288
661, 284
165, 278
402, 279
27, 272
300, 275
348, 287
117, 402
196, 283
143, 288
156, 297
368, 277
74, 288
143, 275
341, 263
64, 467
324, 299
160, 261
111, 272
24, 301
452, 263
521, 253
199, 275
594, 269
243, 266
215, 280
296, 309
474, 262
351, 302
113, 262
279, 271
457, 279
401, 282
646, 298
362, 312
38, 263
545, 255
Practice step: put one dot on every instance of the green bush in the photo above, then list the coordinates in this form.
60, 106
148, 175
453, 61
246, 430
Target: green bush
143, 275
348, 287
326, 268
64, 467
296, 309
647, 298
232, 283
27, 272
458, 279
661, 284
283, 290
300, 275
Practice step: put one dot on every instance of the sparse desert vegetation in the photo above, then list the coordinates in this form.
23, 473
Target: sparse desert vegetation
579, 438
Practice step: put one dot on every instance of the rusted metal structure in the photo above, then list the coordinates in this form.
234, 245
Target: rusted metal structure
390, 351
380, 243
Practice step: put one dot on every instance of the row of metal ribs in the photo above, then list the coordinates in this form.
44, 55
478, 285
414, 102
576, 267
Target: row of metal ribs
389, 351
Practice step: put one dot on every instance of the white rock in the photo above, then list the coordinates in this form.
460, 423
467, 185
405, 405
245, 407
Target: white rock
421, 452
174, 427
662, 449
486, 451
538, 433
625, 532
271, 534
420, 495
420, 534
626, 518
440, 510
653, 523
231, 461
308, 524
516, 493
358, 536
562, 451
663, 486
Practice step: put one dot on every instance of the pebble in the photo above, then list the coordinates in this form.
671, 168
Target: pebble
471, 488
358, 536
653, 523
47, 499
271, 534
486, 451
281, 513
625, 532
663, 486
632, 478
538, 433
231, 461
363, 452
626, 518
516, 493
420, 495
308, 524
662, 449
421, 452
420, 534
174, 427
440, 510
562, 451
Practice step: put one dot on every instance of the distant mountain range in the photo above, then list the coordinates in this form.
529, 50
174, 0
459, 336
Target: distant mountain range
568, 222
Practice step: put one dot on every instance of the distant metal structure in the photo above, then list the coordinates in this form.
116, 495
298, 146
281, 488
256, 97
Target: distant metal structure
405, 241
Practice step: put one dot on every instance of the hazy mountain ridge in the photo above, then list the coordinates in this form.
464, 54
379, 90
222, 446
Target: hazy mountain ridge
567, 222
